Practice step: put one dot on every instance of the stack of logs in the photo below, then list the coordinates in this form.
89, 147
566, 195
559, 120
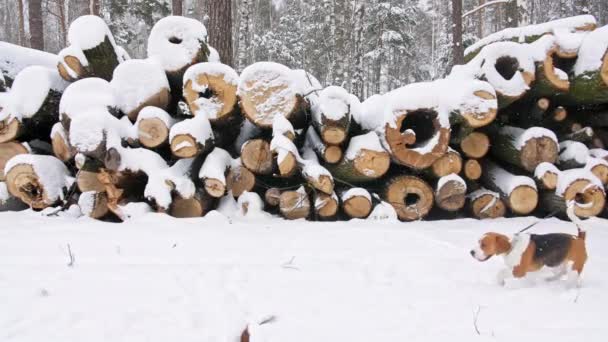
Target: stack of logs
521, 129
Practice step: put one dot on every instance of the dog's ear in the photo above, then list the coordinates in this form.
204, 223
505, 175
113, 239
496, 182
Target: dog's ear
502, 244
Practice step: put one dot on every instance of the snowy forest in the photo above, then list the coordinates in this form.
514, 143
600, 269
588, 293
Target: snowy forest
368, 47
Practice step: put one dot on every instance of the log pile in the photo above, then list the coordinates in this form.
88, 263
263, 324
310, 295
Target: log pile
521, 129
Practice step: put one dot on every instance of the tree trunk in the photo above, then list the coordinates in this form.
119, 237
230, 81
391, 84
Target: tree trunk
177, 6
457, 47
21, 17
518, 192
525, 148
36, 24
95, 7
219, 27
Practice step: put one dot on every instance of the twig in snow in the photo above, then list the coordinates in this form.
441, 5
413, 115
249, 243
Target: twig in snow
475, 317
290, 265
71, 255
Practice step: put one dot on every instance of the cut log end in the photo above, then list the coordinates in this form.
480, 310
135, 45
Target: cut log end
61, 148
372, 164
549, 180
326, 206
601, 172
294, 205
185, 146
152, 132
10, 130
537, 151
424, 125
218, 91
196, 206
357, 207
7, 151
333, 154
272, 197
523, 200
411, 197
240, 180
288, 166
24, 184
589, 200
475, 145
451, 196
215, 188
89, 181
76, 69
450, 163
324, 184
557, 83
160, 100
257, 156
472, 170
481, 119
488, 206
333, 135
560, 114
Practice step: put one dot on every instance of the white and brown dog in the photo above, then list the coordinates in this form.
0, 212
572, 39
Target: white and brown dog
526, 253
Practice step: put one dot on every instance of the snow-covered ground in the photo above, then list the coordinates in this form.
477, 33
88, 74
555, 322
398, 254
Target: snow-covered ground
161, 279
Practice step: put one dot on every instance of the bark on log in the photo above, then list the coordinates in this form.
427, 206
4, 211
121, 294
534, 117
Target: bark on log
450, 193
411, 197
9, 150
357, 203
99, 51
525, 148
486, 204
210, 89
518, 192
196, 206
295, 205
38, 181
267, 89
417, 138
472, 170
365, 160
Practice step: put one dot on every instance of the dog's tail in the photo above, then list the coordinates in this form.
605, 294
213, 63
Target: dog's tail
576, 220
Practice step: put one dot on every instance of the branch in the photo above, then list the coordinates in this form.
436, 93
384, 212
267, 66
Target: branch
71, 255
475, 317
477, 9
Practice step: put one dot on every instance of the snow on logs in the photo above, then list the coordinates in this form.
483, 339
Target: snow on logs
153, 127
191, 137
525, 148
92, 51
518, 192
365, 160
177, 43
332, 114
590, 79
450, 193
356, 203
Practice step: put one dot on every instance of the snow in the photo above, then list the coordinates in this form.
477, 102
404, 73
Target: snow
134, 210
451, 178
372, 113
568, 177
599, 153
162, 180
335, 103
568, 41
213, 69
522, 136
215, 165
592, 162
384, 212
214, 56
281, 126
88, 31
544, 168
484, 66
251, 206
4, 195
52, 173
506, 181
592, 51
356, 192
282, 146
198, 128
191, 34
369, 141
85, 94
520, 33
151, 112
573, 150
73, 51
90, 127
136, 81
14, 58
156, 278
86, 202
30, 89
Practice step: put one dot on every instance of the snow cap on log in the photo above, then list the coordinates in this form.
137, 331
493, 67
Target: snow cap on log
357, 203
83, 95
580, 187
210, 89
191, 137
39, 181
214, 170
486, 204
527, 34
526, 148
332, 114
383, 211
365, 160
138, 83
14, 58
592, 54
73, 64
518, 192
163, 180
177, 42
547, 174
371, 116
251, 206
268, 89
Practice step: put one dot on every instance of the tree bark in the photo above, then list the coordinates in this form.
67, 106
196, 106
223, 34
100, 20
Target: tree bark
95, 7
219, 27
21, 16
457, 48
36, 24
177, 6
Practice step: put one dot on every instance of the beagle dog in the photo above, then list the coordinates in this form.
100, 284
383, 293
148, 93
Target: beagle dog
525, 253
